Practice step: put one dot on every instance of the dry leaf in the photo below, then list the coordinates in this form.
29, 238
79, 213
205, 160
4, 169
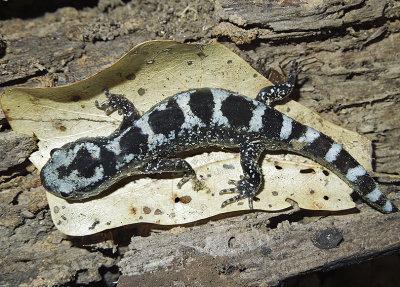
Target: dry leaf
147, 74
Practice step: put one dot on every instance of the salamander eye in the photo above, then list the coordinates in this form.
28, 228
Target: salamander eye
64, 194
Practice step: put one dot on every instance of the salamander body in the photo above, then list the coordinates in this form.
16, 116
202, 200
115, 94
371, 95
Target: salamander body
199, 118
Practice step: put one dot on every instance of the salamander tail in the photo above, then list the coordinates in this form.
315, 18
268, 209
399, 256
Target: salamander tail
333, 156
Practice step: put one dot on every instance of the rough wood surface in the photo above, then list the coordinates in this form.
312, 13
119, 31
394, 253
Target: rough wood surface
248, 251
14, 149
351, 75
294, 19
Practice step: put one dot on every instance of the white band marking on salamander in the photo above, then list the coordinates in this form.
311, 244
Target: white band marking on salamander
125, 160
286, 129
161, 107
256, 120
191, 120
153, 139
66, 157
388, 206
310, 136
93, 149
143, 124
74, 180
333, 152
113, 145
354, 173
218, 118
374, 195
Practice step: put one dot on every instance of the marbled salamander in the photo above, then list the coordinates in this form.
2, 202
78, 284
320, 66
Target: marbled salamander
195, 119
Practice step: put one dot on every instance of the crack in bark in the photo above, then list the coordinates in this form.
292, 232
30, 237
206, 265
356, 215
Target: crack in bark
364, 103
23, 80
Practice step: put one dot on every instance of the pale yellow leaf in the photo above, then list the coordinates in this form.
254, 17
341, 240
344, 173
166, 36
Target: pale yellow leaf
147, 74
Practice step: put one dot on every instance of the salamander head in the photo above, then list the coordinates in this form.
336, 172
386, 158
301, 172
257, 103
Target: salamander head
81, 169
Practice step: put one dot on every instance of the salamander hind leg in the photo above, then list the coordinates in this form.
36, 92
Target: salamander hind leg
249, 184
118, 102
271, 94
174, 165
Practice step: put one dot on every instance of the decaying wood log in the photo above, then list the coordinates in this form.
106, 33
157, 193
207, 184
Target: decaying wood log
351, 75
246, 251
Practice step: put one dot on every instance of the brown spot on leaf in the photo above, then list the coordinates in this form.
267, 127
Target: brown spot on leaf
75, 98
307, 170
201, 55
158, 212
59, 126
185, 199
130, 77
33, 100
141, 91
146, 210
228, 166
96, 222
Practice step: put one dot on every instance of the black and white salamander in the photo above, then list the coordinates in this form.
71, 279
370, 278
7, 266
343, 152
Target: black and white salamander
199, 118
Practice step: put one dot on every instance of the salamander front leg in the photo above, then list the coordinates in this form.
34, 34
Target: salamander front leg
272, 94
250, 183
174, 165
121, 103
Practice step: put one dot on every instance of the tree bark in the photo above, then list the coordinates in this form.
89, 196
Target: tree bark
351, 75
